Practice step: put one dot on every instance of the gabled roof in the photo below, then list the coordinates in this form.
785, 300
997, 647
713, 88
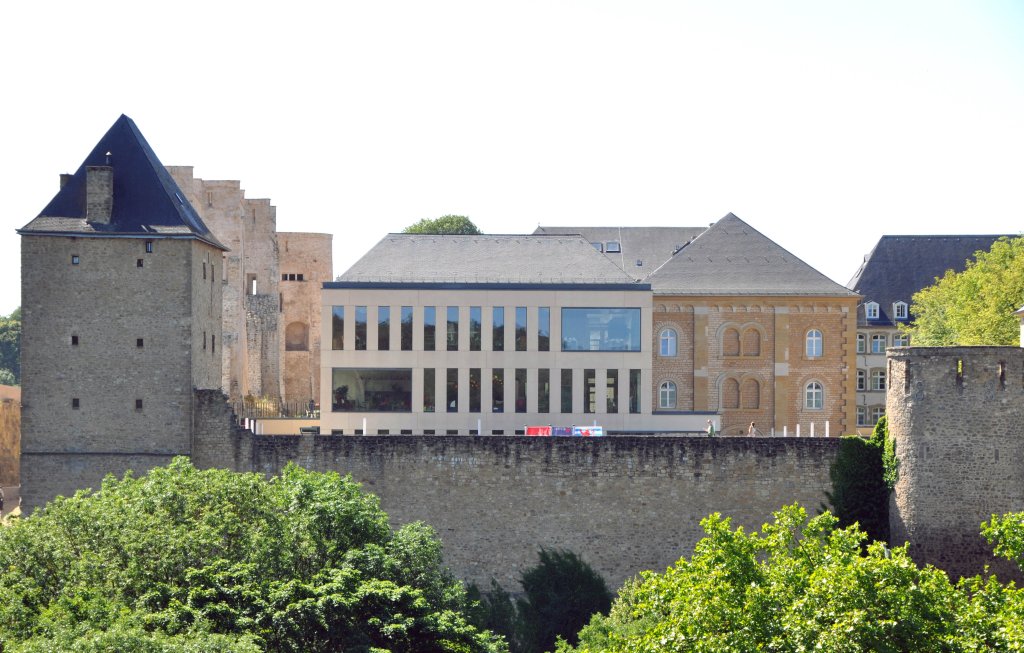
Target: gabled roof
651, 246
733, 258
899, 266
146, 199
485, 259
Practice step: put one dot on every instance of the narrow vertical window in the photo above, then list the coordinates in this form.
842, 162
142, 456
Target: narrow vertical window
149, 246
204, 269
498, 328
429, 327
138, 404
520, 390
337, 327
520, 328
204, 341
634, 391
138, 263
75, 259
428, 390
498, 391
474, 390
407, 328
383, 328
612, 393
475, 327
213, 344
453, 328
543, 390
75, 403
360, 327
668, 342
74, 341
139, 343
566, 391
452, 400
589, 391
667, 395
544, 328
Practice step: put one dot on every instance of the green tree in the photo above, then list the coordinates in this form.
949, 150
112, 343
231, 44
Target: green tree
10, 346
189, 560
975, 306
445, 225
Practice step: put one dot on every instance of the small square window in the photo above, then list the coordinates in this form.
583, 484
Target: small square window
598, 246
613, 247
639, 262
149, 246
74, 403
298, 277
74, 259
138, 404
138, 262
284, 277
74, 341
138, 343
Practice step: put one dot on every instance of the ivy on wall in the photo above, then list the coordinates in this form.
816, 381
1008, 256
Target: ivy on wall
862, 476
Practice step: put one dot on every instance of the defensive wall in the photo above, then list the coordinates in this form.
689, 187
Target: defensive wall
957, 416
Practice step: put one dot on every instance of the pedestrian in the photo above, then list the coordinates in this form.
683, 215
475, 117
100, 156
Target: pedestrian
1, 502
711, 429
752, 430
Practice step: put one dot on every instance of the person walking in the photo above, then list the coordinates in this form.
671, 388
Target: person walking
711, 429
752, 430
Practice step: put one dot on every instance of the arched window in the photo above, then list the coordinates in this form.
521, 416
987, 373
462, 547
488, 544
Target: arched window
814, 396
296, 337
731, 343
862, 343
862, 380
730, 393
668, 342
751, 342
750, 394
667, 395
814, 344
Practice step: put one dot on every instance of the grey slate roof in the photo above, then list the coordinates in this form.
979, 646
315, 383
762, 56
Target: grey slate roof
733, 258
485, 259
147, 201
899, 266
652, 246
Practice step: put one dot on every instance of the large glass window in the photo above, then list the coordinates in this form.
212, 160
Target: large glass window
600, 329
877, 412
452, 400
360, 327
813, 344
862, 380
474, 389
634, 391
878, 379
878, 344
589, 391
407, 328
429, 327
383, 328
814, 396
900, 340
474, 328
520, 328
498, 328
862, 343
498, 390
667, 395
612, 391
428, 390
453, 328
520, 390
544, 328
862, 416
543, 390
668, 342
337, 327
566, 391
372, 390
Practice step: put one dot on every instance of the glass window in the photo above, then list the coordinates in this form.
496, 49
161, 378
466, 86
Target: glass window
862, 343
600, 329
899, 310
589, 391
668, 342
453, 328
474, 389
452, 400
474, 328
566, 391
814, 344
520, 390
372, 390
862, 416
337, 327
862, 380
498, 328
871, 310
429, 327
407, 328
612, 391
428, 390
814, 396
543, 390
878, 379
498, 391
667, 395
383, 328
877, 412
360, 327
878, 344
544, 328
613, 247
900, 340
520, 328
634, 391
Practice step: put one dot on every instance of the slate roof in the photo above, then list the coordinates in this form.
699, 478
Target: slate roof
147, 201
733, 258
486, 259
899, 266
652, 246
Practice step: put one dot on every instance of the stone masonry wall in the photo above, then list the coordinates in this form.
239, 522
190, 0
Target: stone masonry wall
957, 415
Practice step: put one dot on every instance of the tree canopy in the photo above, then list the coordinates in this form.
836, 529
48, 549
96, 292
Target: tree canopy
975, 306
189, 560
10, 348
445, 225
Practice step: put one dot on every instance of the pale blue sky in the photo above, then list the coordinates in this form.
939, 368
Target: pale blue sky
822, 124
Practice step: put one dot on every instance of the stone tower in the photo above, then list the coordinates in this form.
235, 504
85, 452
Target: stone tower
121, 319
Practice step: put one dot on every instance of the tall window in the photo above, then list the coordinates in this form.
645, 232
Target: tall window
877, 412
498, 390
452, 395
862, 380
567, 391
544, 328
814, 396
453, 328
589, 391
751, 342
612, 391
429, 327
668, 342
407, 328
878, 379
428, 390
862, 415
730, 393
731, 342
474, 328
814, 345
474, 390
634, 391
667, 395
543, 390
360, 327
750, 394
383, 328
520, 328
878, 344
337, 327
862, 343
498, 328
520, 390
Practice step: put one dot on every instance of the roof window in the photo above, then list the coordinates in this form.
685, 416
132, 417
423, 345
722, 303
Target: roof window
871, 310
613, 246
598, 246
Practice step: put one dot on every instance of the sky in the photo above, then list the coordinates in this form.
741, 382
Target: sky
822, 124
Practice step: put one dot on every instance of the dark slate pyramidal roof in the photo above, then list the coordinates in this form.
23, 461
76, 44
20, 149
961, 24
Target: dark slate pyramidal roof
146, 199
733, 258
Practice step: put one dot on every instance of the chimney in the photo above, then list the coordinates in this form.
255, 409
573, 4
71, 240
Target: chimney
65, 178
99, 193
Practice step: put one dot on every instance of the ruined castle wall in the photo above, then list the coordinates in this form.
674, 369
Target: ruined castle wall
957, 416
305, 255
625, 504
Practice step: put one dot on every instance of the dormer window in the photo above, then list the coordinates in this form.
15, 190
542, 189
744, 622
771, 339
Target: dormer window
871, 310
598, 246
899, 310
612, 246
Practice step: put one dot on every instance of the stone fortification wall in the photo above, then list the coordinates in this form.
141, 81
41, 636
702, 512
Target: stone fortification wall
625, 504
957, 415
306, 263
